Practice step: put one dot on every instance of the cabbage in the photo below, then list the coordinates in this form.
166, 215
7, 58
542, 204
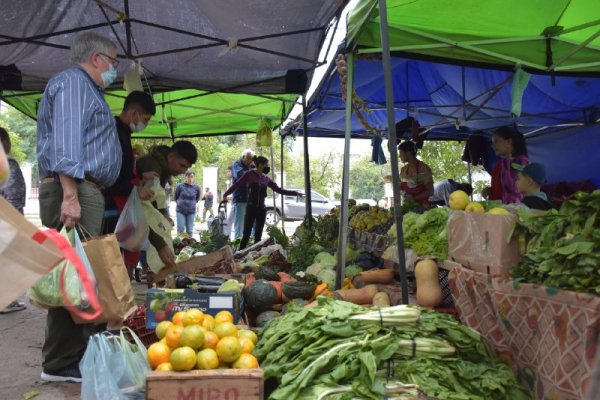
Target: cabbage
351, 254
231, 285
328, 276
326, 259
315, 269
352, 270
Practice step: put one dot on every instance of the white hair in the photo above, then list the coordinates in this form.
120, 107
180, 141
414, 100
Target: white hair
247, 153
86, 44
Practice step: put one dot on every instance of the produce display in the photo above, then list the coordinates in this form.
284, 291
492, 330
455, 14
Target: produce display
338, 350
425, 233
374, 219
562, 247
194, 340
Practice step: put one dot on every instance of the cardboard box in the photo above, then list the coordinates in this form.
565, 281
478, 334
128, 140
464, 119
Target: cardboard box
162, 304
218, 384
197, 264
480, 242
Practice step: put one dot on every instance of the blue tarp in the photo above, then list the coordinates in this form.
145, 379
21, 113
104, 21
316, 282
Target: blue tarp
559, 114
433, 93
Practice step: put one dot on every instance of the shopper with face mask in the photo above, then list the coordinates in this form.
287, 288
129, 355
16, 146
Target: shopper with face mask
79, 155
138, 108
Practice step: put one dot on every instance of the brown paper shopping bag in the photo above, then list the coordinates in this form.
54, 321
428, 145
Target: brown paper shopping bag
114, 287
23, 261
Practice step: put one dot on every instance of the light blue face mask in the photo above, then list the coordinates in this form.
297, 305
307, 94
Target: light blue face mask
109, 76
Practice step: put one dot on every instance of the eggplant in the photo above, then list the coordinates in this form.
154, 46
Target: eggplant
209, 280
182, 281
208, 288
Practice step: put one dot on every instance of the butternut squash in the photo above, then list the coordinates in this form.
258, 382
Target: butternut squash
429, 292
357, 296
381, 299
377, 276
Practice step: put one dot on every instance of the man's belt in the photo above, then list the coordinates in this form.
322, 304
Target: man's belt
88, 179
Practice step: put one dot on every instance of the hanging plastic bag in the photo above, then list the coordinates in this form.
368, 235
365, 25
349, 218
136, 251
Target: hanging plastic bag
158, 222
132, 229
71, 283
4, 168
112, 368
264, 135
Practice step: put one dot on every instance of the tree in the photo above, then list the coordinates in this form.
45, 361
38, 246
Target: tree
365, 180
25, 129
325, 174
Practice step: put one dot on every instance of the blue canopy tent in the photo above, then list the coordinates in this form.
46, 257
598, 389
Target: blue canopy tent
559, 114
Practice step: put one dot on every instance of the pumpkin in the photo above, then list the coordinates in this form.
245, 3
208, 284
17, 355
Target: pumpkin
250, 278
429, 292
277, 286
264, 317
298, 290
321, 290
260, 295
284, 278
267, 273
293, 302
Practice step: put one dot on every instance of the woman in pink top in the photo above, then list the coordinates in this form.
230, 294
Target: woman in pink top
509, 145
257, 182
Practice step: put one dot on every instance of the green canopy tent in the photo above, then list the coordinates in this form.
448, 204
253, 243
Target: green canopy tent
556, 37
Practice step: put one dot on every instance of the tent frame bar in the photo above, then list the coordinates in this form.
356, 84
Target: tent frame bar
34, 39
389, 100
574, 51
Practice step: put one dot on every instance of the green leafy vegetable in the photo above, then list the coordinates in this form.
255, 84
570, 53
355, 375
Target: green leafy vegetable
425, 233
562, 247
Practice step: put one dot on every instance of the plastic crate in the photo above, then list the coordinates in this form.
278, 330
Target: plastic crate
137, 323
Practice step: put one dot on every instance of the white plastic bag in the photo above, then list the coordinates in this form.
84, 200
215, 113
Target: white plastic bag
112, 368
132, 229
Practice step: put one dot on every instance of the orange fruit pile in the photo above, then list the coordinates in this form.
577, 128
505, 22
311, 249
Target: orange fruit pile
194, 340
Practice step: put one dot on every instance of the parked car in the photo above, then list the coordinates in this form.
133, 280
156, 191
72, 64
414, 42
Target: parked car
295, 207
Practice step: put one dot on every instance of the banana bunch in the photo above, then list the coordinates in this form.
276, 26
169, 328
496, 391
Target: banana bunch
367, 220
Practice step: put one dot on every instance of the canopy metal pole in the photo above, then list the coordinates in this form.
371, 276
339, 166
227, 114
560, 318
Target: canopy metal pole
281, 185
307, 195
273, 177
343, 234
127, 29
389, 100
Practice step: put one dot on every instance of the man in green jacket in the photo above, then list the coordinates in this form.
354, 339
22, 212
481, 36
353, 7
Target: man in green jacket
163, 162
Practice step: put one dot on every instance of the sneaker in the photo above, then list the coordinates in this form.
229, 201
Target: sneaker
68, 374
12, 307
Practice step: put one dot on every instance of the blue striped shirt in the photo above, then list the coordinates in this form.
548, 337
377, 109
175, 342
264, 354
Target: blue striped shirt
76, 132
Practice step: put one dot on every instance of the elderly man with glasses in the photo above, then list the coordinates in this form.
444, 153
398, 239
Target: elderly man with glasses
79, 155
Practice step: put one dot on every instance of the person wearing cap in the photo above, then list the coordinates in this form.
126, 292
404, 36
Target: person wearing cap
530, 179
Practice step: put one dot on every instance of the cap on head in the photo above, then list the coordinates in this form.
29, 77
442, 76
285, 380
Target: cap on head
535, 171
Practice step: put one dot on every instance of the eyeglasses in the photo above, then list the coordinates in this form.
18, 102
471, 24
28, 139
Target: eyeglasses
113, 61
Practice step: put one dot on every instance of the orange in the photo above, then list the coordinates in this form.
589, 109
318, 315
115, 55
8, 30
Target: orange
207, 359
245, 361
166, 366
224, 316
161, 329
247, 345
208, 322
229, 349
223, 329
178, 318
193, 316
183, 359
210, 340
192, 336
173, 336
157, 354
247, 333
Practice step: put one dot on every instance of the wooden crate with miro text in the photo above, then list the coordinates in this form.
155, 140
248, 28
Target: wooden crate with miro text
217, 384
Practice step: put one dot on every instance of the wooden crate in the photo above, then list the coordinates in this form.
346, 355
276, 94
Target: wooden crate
218, 384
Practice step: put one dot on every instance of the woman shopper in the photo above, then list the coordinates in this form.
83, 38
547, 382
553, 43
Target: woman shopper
416, 179
187, 196
509, 145
256, 182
